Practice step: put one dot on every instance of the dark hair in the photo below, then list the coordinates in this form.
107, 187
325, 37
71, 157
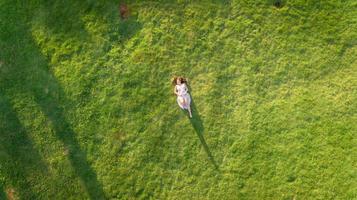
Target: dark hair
182, 79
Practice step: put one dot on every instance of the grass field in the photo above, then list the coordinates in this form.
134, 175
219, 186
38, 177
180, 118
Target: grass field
87, 110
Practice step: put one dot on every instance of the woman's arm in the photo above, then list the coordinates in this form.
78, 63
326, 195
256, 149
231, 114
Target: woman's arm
186, 88
175, 90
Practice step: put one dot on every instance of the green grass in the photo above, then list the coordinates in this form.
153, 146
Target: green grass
87, 109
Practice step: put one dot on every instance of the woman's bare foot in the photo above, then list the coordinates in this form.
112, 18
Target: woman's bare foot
189, 112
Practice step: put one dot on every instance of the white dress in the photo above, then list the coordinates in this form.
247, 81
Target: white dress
182, 91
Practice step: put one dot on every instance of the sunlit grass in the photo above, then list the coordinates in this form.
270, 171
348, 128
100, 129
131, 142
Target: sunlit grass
87, 109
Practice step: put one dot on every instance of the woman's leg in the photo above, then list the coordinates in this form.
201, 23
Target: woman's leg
187, 100
189, 111
185, 104
182, 101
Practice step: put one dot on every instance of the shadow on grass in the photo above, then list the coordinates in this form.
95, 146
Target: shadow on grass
66, 19
29, 72
55, 113
2, 192
197, 125
18, 158
50, 96
128, 28
63, 16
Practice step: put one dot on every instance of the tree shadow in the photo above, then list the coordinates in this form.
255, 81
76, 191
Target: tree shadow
30, 72
64, 16
128, 28
197, 125
18, 158
50, 96
60, 18
50, 106
345, 46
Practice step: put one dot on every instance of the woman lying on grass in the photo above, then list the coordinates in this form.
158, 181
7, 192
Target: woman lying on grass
181, 90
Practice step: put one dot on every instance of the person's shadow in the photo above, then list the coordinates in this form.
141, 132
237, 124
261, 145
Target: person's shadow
2, 192
197, 125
